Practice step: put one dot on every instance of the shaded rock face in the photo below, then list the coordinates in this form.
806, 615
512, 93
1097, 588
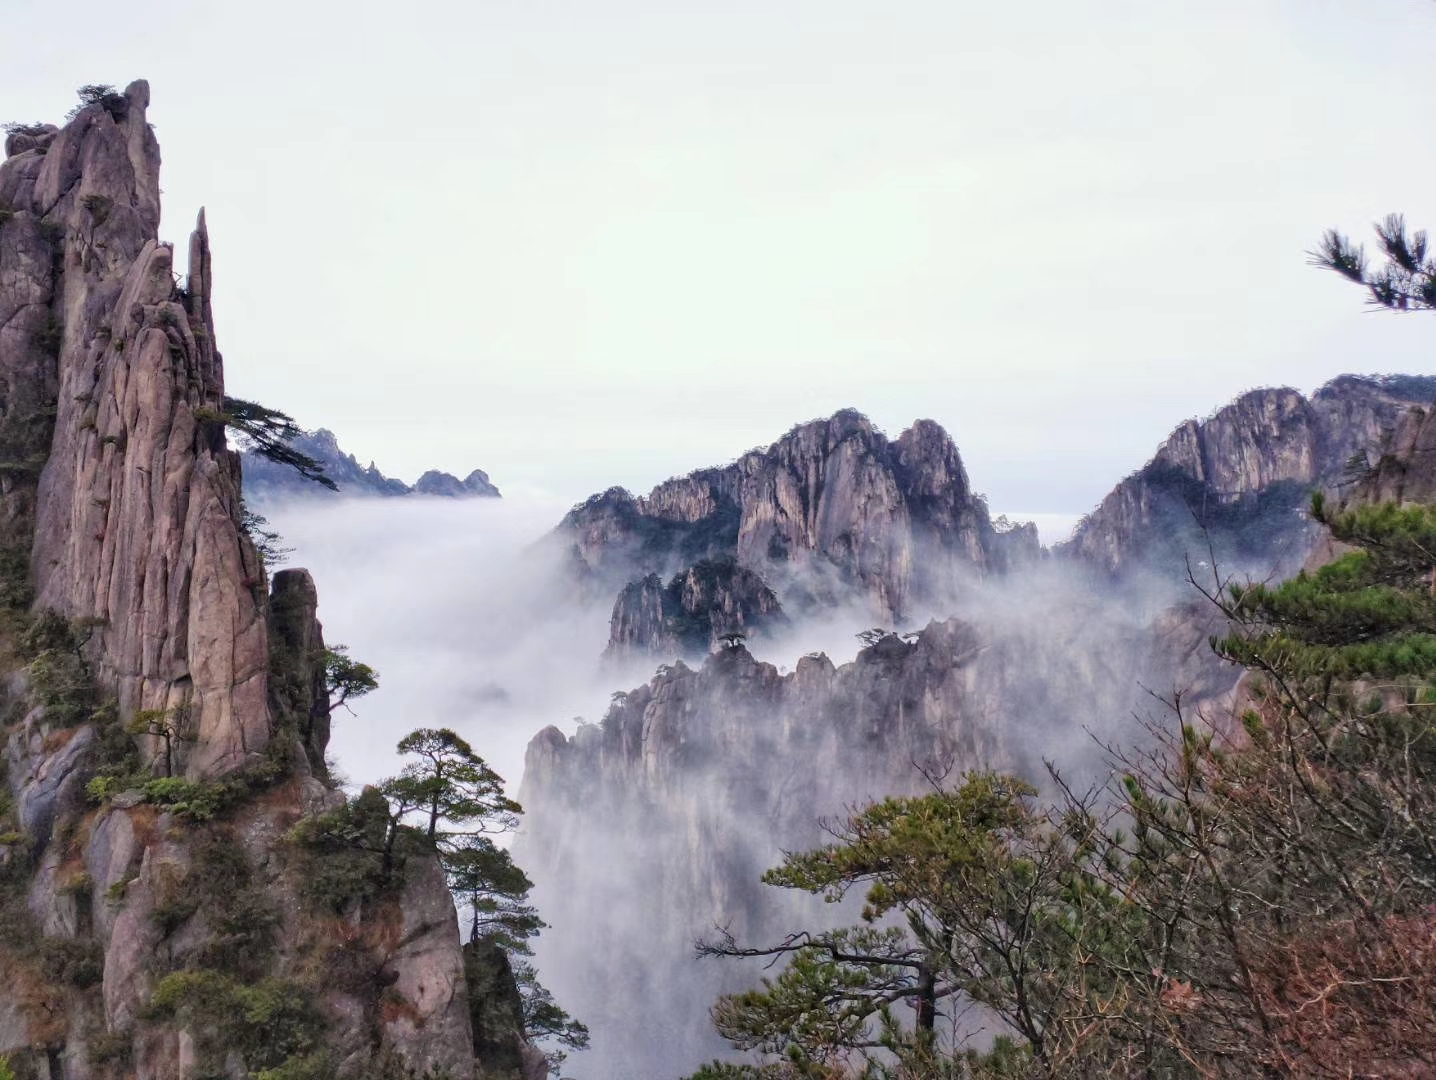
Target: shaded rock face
1406, 471
830, 511
691, 613
267, 480
129, 592
476, 484
1245, 475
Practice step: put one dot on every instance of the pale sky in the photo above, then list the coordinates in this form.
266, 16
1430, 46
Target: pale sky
603, 243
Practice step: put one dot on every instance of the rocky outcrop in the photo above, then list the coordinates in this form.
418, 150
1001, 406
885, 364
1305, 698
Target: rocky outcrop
831, 510
165, 713
690, 614
1238, 483
268, 480
135, 507
475, 485
1406, 470
699, 780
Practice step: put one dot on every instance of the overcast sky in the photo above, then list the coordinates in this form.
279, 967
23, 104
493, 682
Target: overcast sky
580, 244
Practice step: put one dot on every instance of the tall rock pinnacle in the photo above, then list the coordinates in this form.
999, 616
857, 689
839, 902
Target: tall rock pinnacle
136, 526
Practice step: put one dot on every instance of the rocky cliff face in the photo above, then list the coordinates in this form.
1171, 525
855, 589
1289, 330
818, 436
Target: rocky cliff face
696, 782
668, 811
831, 512
165, 714
267, 480
1245, 474
1406, 470
690, 614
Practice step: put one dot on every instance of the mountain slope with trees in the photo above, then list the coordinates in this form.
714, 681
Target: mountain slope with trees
166, 706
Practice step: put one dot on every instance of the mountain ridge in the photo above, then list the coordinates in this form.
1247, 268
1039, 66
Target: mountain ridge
267, 480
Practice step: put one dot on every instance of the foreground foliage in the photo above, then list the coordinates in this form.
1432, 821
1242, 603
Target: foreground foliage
1235, 903
446, 802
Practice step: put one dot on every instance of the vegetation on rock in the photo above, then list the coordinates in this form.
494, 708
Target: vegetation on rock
1239, 903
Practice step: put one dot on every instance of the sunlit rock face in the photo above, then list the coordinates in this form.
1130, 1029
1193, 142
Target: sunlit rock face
121, 530
135, 510
1239, 482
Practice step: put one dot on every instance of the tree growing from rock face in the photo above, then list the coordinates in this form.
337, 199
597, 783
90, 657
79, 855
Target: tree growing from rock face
271, 434
484, 879
167, 725
447, 783
460, 804
346, 678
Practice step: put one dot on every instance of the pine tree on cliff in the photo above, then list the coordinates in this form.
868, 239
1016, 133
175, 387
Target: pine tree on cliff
1250, 903
1407, 281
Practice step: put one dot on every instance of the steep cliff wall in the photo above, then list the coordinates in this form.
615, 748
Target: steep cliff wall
165, 714
831, 513
1245, 475
692, 612
666, 813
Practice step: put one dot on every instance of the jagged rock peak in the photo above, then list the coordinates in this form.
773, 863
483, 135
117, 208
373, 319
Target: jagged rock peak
125, 566
265, 480
832, 507
1259, 456
692, 613
135, 525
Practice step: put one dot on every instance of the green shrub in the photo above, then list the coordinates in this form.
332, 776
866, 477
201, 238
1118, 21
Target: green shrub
71, 961
77, 884
270, 1023
238, 911
102, 788
116, 892
340, 854
316, 1066
110, 1048
16, 592
174, 908
197, 800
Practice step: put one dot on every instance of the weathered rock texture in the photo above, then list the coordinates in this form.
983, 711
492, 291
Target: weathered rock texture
1406, 471
1245, 476
693, 784
138, 639
690, 614
831, 513
135, 512
696, 782
267, 480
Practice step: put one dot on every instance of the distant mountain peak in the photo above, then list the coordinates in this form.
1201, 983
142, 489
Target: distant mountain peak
264, 479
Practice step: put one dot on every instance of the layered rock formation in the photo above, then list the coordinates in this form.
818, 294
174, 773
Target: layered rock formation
1240, 480
267, 480
166, 714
